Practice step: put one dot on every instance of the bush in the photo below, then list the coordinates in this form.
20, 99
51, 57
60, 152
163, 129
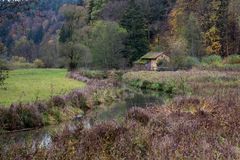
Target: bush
18, 59
57, 101
20, 116
140, 115
3, 65
212, 60
94, 74
192, 61
3, 73
30, 116
232, 59
184, 62
78, 100
38, 63
19, 62
107, 96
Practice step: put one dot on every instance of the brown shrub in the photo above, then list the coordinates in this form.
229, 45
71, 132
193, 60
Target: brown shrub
140, 115
57, 101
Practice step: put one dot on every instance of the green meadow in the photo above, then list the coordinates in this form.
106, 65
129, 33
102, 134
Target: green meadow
28, 85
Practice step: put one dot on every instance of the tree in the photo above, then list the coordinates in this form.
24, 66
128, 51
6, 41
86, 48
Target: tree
50, 55
136, 43
66, 33
192, 34
36, 34
71, 43
3, 70
74, 53
212, 37
24, 48
233, 25
94, 8
107, 44
222, 24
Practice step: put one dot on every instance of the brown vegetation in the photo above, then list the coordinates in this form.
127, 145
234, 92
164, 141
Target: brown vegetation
187, 128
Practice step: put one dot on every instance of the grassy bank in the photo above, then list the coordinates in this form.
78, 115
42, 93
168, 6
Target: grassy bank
195, 82
28, 85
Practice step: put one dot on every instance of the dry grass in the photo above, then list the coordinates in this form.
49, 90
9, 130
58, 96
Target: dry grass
192, 75
187, 128
202, 83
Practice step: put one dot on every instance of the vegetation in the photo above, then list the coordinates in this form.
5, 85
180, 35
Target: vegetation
32, 112
3, 76
136, 44
3, 69
28, 85
194, 81
93, 74
98, 38
93, 38
107, 44
200, 127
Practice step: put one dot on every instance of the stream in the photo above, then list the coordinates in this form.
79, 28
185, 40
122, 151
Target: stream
43, 137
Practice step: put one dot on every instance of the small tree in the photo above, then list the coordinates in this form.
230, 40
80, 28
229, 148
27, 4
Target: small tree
49, 51
3, 69
75, 53
24, 48
3, 75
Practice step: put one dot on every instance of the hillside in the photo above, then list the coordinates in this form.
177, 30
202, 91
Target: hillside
26, 26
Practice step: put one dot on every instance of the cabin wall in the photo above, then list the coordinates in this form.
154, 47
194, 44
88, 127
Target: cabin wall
143, 67
153, 65
139, 67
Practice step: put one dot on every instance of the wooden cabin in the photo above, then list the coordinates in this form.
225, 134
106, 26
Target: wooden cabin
150, 61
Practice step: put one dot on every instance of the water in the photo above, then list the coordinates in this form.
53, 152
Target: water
43, 138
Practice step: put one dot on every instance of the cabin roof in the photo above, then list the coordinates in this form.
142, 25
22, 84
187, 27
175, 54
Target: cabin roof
151, 55
141, 61
148, 57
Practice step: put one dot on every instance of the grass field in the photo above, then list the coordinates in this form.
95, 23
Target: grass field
27, 85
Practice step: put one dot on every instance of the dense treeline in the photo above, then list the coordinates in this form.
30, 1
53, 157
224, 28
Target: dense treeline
196, 28
26, 26
115, 33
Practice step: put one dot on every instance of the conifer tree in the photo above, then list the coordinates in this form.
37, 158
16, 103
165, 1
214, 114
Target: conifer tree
136, 44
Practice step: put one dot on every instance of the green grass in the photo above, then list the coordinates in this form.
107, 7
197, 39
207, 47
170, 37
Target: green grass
28, 85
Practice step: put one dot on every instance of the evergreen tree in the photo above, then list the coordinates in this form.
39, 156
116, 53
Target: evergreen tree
223, 26
136, 44
36, 35
65, 33
90, 9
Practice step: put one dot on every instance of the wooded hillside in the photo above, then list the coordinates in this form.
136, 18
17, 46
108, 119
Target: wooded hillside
187, 28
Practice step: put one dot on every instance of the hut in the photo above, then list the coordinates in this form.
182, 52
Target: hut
150, 61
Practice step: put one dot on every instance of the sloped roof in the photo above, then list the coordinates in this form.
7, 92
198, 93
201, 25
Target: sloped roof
152, 55
141, 61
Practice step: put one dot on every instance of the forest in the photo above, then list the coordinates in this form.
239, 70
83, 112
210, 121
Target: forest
45, 30
119, 79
